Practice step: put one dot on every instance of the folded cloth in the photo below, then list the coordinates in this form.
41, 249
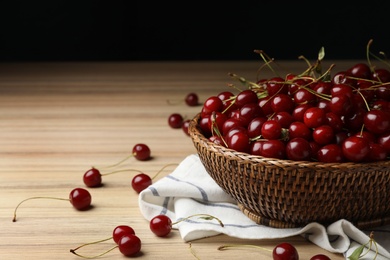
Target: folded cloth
190, 190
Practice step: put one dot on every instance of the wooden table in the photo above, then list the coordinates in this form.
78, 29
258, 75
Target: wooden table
59, 119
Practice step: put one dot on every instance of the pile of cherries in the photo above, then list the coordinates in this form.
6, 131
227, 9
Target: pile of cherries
329, 119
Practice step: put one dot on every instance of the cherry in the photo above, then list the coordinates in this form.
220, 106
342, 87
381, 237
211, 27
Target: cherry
360, 70
320, 257
124, 236
298, 149
140, 182
323, 134
377, 121
314, 117
141, 152
129, 244
185, 126
239, 141
355, 148
79, 198
271, 129
161, 225
285, 251
246, 97
192, 99
121, 230
330, 153
175, 120
273, 149
212, 104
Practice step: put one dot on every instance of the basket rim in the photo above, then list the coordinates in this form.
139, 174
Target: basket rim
197, 136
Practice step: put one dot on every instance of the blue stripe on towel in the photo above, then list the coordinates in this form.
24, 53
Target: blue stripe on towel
202, 192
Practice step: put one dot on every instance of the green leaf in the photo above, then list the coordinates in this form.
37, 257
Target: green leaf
356, 254
321, 54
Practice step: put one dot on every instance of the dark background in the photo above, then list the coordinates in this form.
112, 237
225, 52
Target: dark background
61, 30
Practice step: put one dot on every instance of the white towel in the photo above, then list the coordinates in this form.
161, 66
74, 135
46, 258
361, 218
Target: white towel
189, 190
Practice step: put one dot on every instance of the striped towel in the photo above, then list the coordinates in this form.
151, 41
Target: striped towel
189, 190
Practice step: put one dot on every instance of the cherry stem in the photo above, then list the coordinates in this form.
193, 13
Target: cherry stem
118, 163
225, 247
73, 251
157, 173
135, 170
193, 251
33, 198
204, 216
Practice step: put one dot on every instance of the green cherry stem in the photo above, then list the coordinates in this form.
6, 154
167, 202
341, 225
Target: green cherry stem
225, 247
33, 198
73, 251
203, 216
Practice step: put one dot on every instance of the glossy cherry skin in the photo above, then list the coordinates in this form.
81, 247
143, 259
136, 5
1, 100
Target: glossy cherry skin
320, 257
298, 149
314, 117
192, 99
80, 198
140, 182
175, 120
92, 178
377, 121
161, 225
246, 97
120, 231
141, 152
355, 148
129, 244
330, 153
185, 126
285, 251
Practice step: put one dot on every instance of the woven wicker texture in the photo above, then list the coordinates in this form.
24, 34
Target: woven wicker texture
285, 193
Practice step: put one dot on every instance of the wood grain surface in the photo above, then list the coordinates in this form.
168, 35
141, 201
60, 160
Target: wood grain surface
59, 119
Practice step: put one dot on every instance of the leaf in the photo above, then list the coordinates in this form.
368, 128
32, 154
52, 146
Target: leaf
321, 54
356, 254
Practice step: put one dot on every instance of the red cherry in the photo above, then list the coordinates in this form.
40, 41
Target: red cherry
314, 117
212, 104
323, 134
129, 244
240, 142
320, 257
80, 198
276, 85
377, 121
285, 251
361, 71
273, 149
299, 129
330, 153
246, 97
355, 148
282, 103
121, 230
141, 152
298, 149
92, 178
192, 99
140, 182
271, 129
185, 126
175, 120
160, 225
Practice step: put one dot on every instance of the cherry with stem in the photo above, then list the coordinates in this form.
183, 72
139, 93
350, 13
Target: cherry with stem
161, 225
125, 239
79, 198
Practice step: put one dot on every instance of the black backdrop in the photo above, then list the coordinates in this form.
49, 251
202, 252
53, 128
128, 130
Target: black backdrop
143, 30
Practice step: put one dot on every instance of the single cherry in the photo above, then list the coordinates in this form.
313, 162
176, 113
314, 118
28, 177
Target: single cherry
175, 120
320, 257
285, 251
79, 198
161, 225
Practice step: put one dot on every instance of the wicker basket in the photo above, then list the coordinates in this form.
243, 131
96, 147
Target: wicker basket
286, 194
